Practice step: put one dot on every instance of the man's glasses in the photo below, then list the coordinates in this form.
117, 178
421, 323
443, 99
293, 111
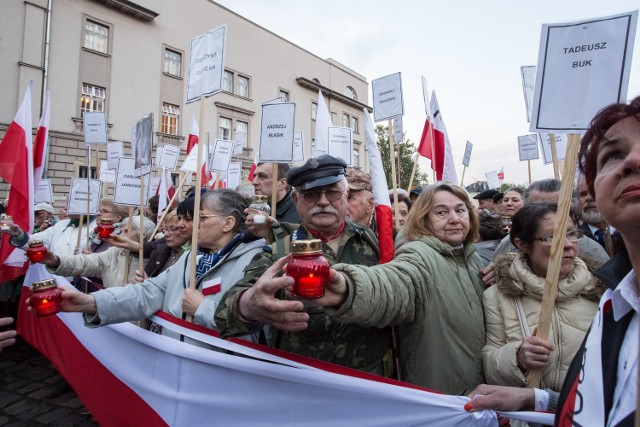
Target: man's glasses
573, 236
314, 196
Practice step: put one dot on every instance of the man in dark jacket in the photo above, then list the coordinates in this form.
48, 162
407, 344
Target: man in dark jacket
262, 183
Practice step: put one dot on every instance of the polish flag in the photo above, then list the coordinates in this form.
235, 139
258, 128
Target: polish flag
501, 175
384, 215
441, 156
41, 141
192, 141
16, 168
252, 171
165, 190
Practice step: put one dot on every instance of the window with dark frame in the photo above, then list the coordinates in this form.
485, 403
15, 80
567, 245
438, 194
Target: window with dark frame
96, 37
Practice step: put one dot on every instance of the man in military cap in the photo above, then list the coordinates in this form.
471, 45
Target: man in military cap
320, 194
485, 200
360, 203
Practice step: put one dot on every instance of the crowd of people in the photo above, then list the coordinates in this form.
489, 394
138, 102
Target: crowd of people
457, 308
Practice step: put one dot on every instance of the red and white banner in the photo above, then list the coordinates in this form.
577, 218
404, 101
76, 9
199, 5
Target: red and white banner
155, 380
165, 190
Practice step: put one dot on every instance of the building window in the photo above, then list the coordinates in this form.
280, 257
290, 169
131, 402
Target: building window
314, 110
242, 86
284, 95
355, 125
350, 93
227, 81
172, 62
356, 158
244, 128
82, 172
96, 37
92, 99
224, 128
334, 117
346, 120
170, 114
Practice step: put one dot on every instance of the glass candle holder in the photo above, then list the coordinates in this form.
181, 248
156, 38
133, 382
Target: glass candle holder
259, 203
308, 268
46, 297
5, 222
105, 228
37, 251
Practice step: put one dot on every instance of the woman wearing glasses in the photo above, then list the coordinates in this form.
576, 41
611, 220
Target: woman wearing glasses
512, 305
224, 250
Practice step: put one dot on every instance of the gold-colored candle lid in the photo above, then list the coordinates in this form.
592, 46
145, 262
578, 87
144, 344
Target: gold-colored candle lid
306, 247
42, 285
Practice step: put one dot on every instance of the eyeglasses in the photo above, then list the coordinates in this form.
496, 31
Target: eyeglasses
205, 217
104, 211
171, 230
314, 196
573, 236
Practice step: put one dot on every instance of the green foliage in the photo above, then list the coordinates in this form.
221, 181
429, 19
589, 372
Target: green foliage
405, 152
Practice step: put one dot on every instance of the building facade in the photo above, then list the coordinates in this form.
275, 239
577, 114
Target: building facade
129, 58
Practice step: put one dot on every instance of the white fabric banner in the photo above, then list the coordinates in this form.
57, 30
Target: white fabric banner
341, 143
582, 67
323, 122
206, 63
95, 127
78, 194
387, 97
528, 147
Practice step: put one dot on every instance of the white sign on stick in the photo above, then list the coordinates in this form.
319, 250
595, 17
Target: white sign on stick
106, 174
341, 143
220, 158
398, 133
234, 175
240, 139
95, 127
492, 179
77, 204
127, 188
528, 147
528, 73
298, 147
206, 63
466, 159
276, 132
169, 156
142, 145
387, 97
115, 150
154, 183
582, 67
43, 193
561, 147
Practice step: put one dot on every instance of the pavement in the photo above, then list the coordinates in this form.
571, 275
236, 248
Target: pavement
32, 393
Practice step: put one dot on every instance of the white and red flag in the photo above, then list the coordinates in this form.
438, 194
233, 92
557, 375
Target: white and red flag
41, 141
192, 141
384, 214
252, 171
501, 175
434, 134
16, 168
165, 190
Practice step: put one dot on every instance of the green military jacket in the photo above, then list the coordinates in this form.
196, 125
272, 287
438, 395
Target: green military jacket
367, 349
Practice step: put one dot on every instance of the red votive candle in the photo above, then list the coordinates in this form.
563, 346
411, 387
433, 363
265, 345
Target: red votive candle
309, 269
37, 251
105, 228
46, 297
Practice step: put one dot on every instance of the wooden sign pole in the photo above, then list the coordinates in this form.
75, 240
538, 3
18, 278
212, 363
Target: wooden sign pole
141, 238
393, 175
88, 196
413, 172
128, 259
529, 167
464, 169
557, 245
554, 156
274, 188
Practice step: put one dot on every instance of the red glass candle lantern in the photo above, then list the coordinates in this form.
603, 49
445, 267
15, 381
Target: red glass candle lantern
309, 269
5, 223
105, 228
46, 297
37, 251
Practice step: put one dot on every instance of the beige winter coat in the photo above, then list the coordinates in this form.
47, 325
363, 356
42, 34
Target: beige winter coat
575, 307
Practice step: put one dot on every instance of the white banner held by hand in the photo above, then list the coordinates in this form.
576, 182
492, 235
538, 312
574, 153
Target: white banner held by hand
528, 147
582, 67
95, 127
77, 204
341, 143
115, 150
127, 188
206, 63
276, 132
387, 97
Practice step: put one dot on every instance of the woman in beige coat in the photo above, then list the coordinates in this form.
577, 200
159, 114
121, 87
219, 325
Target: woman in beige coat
512, 305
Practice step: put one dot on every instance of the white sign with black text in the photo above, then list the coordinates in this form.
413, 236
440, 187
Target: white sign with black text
106, 174
561, 147
127, 188
398, 132
492, 179
528, 147
115, 150
95, 127
298, 147
466, 159
77, 204
234, 175
387, 97
341, 143
43, 193
206, 63
220, 158
276, 132
169, 156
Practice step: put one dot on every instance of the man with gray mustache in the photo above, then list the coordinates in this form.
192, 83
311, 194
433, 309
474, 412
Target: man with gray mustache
320, 195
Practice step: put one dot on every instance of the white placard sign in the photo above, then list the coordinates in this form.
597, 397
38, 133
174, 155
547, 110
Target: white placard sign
106, 174
220, 158
298, 147
77, 204
492, 179
95, 127
466, 159
561, 147
115, 150
169, 156
582, 67
206, 63
142, 146
127, 189
528, 73
341, 143
152, 188
398, 133
276, 132
234, 175
44, 193
528, 147
239, 138
387, 97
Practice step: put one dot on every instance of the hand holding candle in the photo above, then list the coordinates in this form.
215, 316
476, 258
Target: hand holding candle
308, 268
